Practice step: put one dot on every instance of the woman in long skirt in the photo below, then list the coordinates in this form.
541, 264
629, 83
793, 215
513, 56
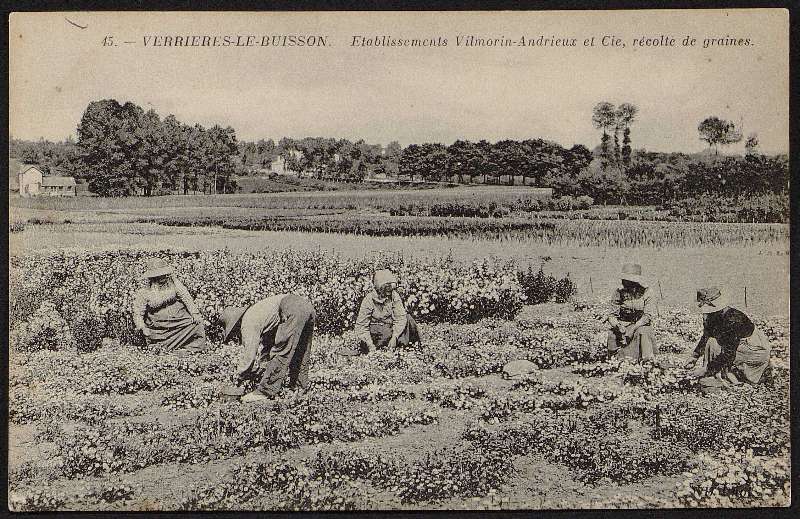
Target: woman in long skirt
166, 314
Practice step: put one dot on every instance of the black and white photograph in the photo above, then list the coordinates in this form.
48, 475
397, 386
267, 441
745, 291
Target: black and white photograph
398, 260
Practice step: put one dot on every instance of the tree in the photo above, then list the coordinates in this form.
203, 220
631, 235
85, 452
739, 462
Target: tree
266, 152
175, 135
433, 158
107, 138
460, 159
508, 156
626, 114
486, 163
196, 138
391, 158
411, 161
149, 150
221, 152
751, 145
604, 116
718, 132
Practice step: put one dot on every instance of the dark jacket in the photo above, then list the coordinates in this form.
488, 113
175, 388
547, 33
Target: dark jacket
728, 327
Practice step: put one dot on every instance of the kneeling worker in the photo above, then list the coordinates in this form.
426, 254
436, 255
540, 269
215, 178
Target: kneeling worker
276, 333
732, 349
382, 320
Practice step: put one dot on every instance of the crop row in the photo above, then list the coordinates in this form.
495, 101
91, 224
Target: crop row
550, 231
434, 291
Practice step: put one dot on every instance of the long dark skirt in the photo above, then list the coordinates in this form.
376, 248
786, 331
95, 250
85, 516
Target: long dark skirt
172, 328
286, 349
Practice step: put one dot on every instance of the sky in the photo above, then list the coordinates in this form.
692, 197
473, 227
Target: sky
58, 65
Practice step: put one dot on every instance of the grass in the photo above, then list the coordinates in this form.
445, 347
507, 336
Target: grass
675, 271
283, 183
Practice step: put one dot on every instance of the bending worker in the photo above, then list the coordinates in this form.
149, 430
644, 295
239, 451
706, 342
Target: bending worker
276, 333
732, 348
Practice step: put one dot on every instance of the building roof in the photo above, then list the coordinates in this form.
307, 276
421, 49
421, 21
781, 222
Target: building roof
58, 181
25, 167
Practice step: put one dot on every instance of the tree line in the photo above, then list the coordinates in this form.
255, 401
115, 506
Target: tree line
123, 150
321, 157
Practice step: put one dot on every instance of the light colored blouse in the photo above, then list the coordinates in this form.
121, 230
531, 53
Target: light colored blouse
256, 321
377, 310
151, 299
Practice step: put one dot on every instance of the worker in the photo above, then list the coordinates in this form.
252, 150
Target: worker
631, 317
732, 348
166, 314
382, 320
276, 333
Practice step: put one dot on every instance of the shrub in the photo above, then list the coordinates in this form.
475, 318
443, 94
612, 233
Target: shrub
564, 289
454, 395
738, 479
538, 287
440, 290
46, 330
36, 501
88, 331
584, 202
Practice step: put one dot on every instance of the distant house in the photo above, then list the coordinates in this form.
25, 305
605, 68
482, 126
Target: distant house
29, 181
278, 164
59, 186
33, 183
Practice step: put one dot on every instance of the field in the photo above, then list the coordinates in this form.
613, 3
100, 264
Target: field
99, 422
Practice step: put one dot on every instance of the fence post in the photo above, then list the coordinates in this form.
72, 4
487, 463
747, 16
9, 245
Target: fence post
590, 285
745, 296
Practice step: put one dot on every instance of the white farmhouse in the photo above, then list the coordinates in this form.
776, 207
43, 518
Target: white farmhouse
30, 181
33, 183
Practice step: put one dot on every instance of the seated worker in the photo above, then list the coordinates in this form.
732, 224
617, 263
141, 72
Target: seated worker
631, 335
382, 320
166, 314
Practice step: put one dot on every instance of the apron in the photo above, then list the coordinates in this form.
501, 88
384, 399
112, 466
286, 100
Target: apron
382, 332
172, 328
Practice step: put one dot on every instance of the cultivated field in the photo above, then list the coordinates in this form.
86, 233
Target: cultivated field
107, 425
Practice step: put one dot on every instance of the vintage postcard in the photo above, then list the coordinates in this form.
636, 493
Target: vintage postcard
398, 260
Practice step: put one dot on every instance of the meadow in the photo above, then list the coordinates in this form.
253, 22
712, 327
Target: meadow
99, 422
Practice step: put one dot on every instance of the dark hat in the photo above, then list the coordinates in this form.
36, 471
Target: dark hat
711, 299
231, 316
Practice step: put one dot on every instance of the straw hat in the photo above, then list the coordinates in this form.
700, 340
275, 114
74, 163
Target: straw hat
383, 277
156, 268
633, 272
710, 300
231, 316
